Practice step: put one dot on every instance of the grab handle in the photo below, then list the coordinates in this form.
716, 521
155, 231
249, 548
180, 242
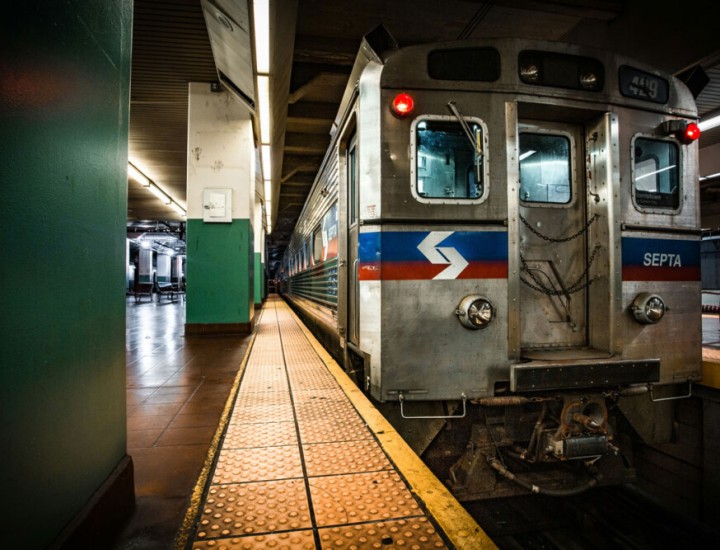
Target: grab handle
674, 398
464, 411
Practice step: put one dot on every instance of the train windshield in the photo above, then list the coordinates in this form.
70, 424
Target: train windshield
545, 168
448, 166
655, 175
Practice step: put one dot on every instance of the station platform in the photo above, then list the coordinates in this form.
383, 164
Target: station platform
301, 459
711, 350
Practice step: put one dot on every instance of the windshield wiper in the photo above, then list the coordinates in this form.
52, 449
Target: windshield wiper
475, 143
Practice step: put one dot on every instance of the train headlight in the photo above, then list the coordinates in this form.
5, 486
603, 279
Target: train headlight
475, 312
648, 308
529, 72
589, 80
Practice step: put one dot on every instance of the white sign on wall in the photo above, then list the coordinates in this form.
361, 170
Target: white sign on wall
217, 205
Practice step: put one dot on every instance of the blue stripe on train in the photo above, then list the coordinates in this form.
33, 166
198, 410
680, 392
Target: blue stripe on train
402, 246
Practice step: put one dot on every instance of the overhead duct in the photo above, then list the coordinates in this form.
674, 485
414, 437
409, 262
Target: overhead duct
228, 24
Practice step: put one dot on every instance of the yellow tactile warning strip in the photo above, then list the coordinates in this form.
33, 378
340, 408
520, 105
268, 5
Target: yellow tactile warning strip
711, 373
299, 468
711, 367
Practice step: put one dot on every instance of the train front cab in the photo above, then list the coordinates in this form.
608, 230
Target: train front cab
539, 260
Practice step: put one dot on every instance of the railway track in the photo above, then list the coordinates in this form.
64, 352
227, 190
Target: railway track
604, 518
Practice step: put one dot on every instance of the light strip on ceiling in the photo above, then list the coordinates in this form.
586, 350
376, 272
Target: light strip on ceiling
147, 183
709, 123
266, 161
160, 194
138, 176
179, 209
264, 104
710, 176
261, 32
261, 19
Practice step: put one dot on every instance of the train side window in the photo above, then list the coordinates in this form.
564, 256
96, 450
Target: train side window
317, 245
545, 168
447, 167
352, 182
330, 233
656, 178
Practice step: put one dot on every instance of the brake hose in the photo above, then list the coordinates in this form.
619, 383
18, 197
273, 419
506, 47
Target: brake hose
500, 469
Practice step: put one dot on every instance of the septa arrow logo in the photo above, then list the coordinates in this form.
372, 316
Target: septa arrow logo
442, 255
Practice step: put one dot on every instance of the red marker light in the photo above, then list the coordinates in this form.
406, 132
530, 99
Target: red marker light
685, 132
403, 104
692, 132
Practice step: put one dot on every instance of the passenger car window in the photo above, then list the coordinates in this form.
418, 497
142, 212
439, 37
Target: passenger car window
317, 244
545, 168
655, 174
447, 165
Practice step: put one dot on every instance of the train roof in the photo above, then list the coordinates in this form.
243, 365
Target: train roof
407, 68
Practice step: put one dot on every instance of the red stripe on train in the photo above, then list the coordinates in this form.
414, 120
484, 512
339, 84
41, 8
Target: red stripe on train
642, 273
407, 271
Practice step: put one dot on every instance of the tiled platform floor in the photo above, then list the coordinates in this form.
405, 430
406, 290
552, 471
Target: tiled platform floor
177, 388
170, 443
298, 467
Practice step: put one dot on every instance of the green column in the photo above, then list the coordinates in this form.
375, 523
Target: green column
219, 282
221, 196
259, 280
64, 100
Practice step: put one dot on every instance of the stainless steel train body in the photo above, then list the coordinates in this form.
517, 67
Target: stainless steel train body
521, 249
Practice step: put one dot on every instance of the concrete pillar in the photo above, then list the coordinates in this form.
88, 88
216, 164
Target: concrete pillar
177, 270
220, 197
163, 268
145, 266
259, 283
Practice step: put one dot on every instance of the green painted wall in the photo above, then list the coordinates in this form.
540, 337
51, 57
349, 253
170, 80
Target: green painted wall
220, 269
259, 282
64, 98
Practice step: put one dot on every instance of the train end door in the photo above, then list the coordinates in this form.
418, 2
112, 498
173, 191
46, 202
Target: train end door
553, 238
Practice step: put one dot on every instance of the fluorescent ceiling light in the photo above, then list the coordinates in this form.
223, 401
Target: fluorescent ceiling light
709, 123
268, 191
179, 209
138, 176
261, 13
265, 156
155, 190
264, 101
709, 176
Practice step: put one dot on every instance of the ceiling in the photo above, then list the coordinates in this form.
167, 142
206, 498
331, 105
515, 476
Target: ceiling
171, 48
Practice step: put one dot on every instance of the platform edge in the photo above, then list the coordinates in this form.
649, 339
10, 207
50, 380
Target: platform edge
185, 531
457, 524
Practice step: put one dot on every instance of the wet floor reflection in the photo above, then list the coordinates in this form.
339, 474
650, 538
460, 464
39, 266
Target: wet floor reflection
176, 390
711, 330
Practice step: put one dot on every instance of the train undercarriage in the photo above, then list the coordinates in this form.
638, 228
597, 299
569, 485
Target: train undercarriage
558, 445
